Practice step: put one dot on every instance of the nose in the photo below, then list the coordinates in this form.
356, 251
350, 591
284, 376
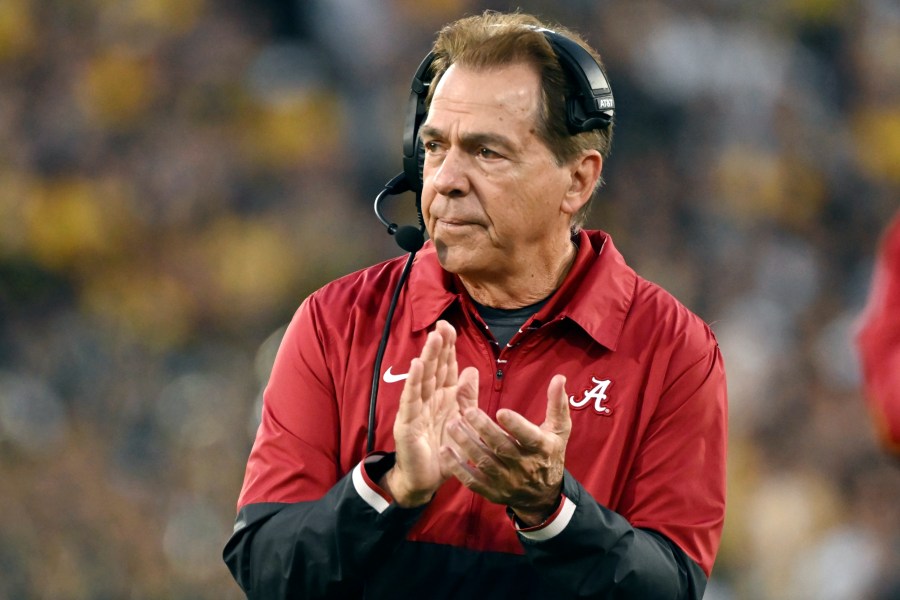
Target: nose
449, 177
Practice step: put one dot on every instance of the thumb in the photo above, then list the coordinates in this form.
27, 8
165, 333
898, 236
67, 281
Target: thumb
467, 389
557, 420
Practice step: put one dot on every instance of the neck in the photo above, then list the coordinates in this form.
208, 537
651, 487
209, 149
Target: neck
536, 281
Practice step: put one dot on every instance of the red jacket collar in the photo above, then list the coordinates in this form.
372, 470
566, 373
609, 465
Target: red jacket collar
596, 294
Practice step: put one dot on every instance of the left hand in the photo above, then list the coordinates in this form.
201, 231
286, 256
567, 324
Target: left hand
430, 399
513, 461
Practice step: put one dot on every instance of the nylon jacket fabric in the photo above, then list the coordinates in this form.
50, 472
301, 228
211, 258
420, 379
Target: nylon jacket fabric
645, 481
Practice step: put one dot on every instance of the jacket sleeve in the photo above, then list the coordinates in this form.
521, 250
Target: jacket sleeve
878, 340
317, 549
593, 552
662, 538
307, 526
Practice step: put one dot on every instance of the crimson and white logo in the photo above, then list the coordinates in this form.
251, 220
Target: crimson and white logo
597, 394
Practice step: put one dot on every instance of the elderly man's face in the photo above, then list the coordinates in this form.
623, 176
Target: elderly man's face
493, 193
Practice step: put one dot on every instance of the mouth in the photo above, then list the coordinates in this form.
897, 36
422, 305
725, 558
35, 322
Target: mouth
451, 226
454, 222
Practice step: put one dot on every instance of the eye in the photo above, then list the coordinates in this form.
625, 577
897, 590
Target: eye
432, 147
487, 153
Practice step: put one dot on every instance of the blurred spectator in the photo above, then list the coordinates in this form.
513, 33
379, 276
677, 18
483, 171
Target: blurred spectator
879, 340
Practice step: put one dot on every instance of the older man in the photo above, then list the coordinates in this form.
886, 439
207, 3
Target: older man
549, 423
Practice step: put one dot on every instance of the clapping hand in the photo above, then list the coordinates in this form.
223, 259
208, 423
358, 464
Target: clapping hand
430, 399
512, 461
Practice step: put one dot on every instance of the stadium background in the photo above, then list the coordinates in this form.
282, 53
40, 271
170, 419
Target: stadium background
176, 175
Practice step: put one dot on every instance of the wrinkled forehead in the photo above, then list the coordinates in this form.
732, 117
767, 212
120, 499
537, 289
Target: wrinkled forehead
510, 91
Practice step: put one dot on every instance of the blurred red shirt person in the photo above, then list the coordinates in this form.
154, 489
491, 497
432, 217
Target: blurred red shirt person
878, 339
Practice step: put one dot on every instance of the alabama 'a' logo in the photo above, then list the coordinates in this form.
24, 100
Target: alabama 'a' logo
595, 397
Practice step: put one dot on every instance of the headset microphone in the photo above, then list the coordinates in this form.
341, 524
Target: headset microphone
408, 237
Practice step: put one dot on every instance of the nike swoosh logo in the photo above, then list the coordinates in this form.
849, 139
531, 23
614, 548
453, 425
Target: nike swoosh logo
394, 377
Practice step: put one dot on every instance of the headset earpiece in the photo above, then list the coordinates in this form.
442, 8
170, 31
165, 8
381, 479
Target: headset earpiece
592, 106
413, 152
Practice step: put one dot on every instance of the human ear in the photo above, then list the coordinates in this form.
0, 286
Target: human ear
585, 172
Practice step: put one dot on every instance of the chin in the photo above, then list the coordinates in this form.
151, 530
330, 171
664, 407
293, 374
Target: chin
452, 258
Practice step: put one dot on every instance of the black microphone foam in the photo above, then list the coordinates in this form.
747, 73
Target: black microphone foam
409, 238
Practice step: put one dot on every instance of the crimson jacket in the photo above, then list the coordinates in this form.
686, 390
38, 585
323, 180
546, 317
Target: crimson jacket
878, 340
644, 488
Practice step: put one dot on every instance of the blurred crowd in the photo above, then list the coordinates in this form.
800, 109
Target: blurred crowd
176, 175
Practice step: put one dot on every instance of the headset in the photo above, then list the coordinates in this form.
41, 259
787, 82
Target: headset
590, 107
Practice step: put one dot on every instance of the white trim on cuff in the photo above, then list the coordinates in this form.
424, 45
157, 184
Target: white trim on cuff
553, 528
370, 496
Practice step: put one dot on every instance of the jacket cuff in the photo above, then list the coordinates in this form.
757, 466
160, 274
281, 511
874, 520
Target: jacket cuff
551, 527
366, 473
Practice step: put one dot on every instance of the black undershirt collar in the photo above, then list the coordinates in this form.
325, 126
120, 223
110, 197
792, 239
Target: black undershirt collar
504, 323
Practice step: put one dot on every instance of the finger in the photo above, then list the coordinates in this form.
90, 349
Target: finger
492, 435
467, 389
429, 356
452, 367
445, 329
473, 450
447, 370
452, 464
528, 435
411, 396
449, 460
558, 420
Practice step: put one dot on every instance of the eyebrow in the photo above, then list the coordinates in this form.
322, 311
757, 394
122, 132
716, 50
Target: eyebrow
473, 140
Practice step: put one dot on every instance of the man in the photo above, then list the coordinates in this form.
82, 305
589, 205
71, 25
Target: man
549, 424
878, 340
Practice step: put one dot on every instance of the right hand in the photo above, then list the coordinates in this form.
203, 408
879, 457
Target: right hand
432, 396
